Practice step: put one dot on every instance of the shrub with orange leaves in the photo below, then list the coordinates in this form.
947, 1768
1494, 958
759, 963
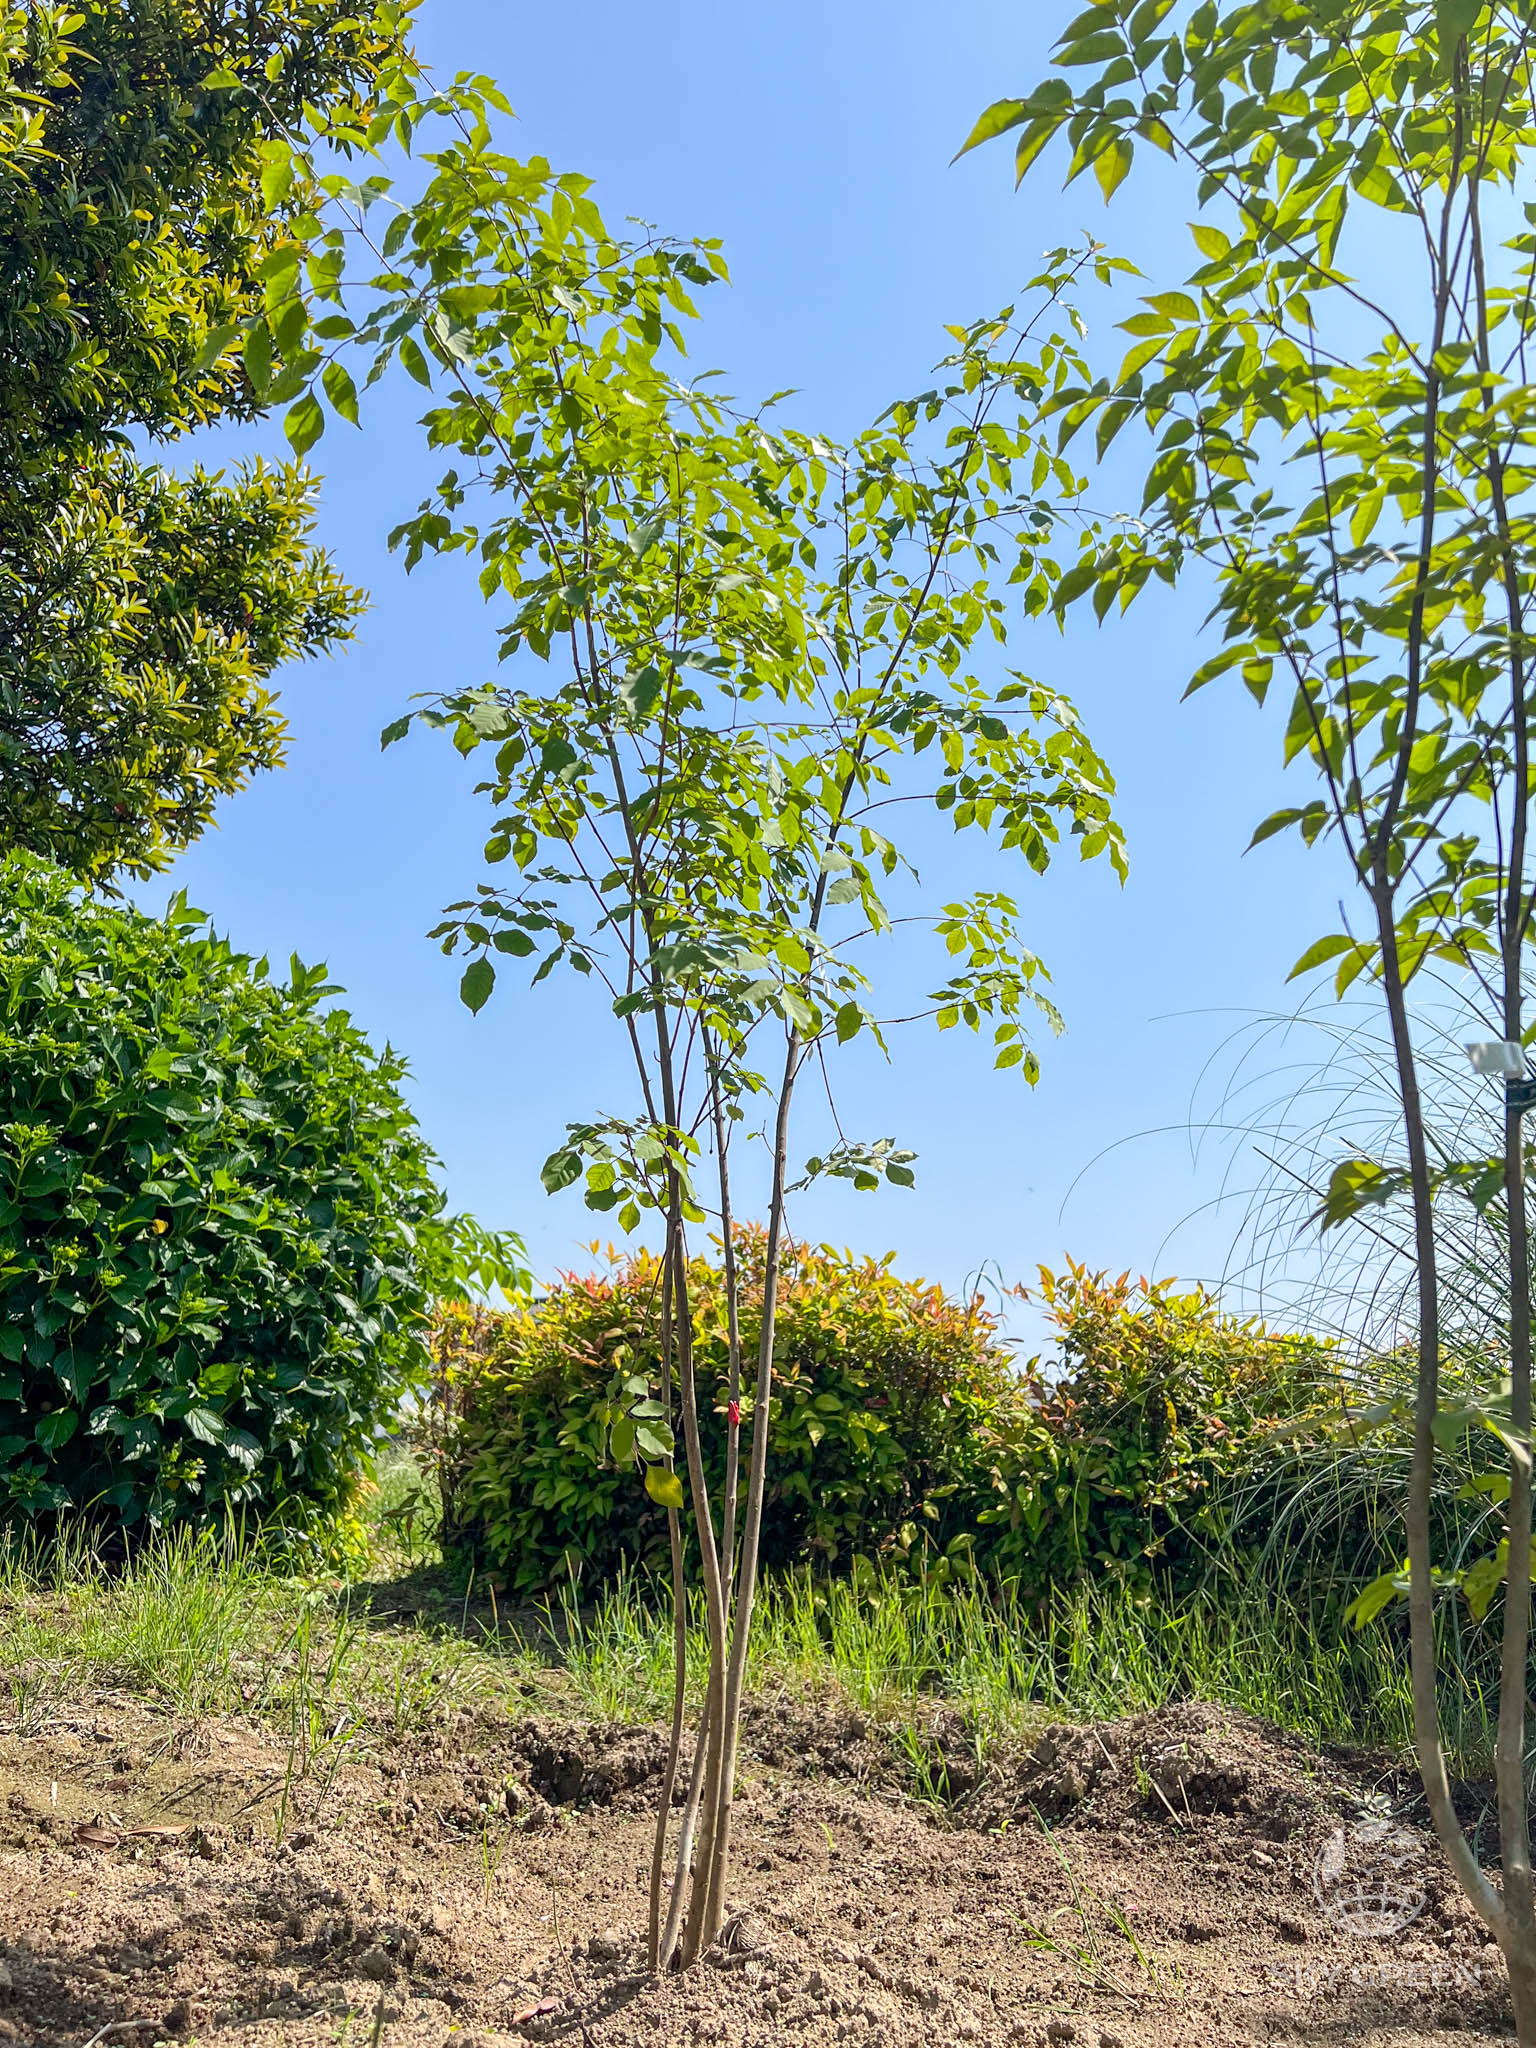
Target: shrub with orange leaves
884, 1391
1125, 1453
903, 1428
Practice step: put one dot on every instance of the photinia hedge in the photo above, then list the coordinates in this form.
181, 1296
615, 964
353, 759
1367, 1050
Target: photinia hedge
883, 1387
904, 1432
218, 1221
1135, 1442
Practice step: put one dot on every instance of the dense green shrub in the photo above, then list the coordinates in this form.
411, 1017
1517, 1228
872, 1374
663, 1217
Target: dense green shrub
884, 1388
213, 1211
902, 1430
1130, 1451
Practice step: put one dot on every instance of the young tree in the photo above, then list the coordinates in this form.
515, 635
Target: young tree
141, 615
1343, 426
734, 651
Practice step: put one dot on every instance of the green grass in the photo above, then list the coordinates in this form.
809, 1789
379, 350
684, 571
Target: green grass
207, 1626
204, 1626
898, 1650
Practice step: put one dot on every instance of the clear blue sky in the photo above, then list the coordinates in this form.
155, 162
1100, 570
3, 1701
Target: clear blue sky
815, 141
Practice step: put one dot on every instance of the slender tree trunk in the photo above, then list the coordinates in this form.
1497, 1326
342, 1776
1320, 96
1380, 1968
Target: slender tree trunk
1514, 1810
1518, 1937
708, 1736
1519, 1943
720, 1843
1421, 1596
653, 1948
656, 1949
714, 1590
733, 1338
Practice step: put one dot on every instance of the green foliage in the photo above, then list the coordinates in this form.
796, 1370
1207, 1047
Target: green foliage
902, 1430
1125, 1453
1350, 463
882, 1390
763, 628
142, 615
156, 608
133, 139
217, 1222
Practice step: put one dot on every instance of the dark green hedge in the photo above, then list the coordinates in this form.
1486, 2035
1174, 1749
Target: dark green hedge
214, 1204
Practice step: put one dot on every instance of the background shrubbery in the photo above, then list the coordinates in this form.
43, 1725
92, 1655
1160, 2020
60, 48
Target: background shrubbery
1137, 1447
904, 1428
884, 1393
217, 1231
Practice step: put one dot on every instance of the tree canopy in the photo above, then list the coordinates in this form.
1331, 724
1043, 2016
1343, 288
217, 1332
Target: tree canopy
143, 614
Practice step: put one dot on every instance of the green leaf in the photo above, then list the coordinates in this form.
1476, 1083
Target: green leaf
1483, 1579
1355, 1185
1278, 821
560, 1169
476, 983
664, 1487
340, 390
1453, 20
997, 120
1041, 114
207, 1427
415, 362
304, 423
1112, 165
1102, 48
219, 340
1323, 949
55, 1430
276, 178
240, 1445
1378, 1595
257, 355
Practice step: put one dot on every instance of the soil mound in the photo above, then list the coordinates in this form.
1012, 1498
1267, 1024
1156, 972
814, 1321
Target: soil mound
1144, 1883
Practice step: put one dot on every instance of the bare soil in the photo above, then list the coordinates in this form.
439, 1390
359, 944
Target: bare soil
1144, 1883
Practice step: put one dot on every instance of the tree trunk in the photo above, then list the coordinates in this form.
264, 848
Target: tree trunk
718, 1865
1421, 1594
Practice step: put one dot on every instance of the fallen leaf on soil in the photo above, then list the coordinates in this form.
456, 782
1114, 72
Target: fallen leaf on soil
536, 2012
97, 1838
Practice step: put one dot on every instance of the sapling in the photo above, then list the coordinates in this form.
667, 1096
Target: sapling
1343, 425
733, 649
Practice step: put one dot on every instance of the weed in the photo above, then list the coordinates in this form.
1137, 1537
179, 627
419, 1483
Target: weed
1081, 1941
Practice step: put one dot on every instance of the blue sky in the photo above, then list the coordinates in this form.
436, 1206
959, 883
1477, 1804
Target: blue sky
815, 141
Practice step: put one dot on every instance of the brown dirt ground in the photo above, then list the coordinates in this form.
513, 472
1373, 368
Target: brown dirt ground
483, 1887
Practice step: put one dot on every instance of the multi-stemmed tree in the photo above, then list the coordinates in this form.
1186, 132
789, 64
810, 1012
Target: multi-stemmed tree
733, 651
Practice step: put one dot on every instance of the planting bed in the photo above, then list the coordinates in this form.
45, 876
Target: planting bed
1147, 1882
